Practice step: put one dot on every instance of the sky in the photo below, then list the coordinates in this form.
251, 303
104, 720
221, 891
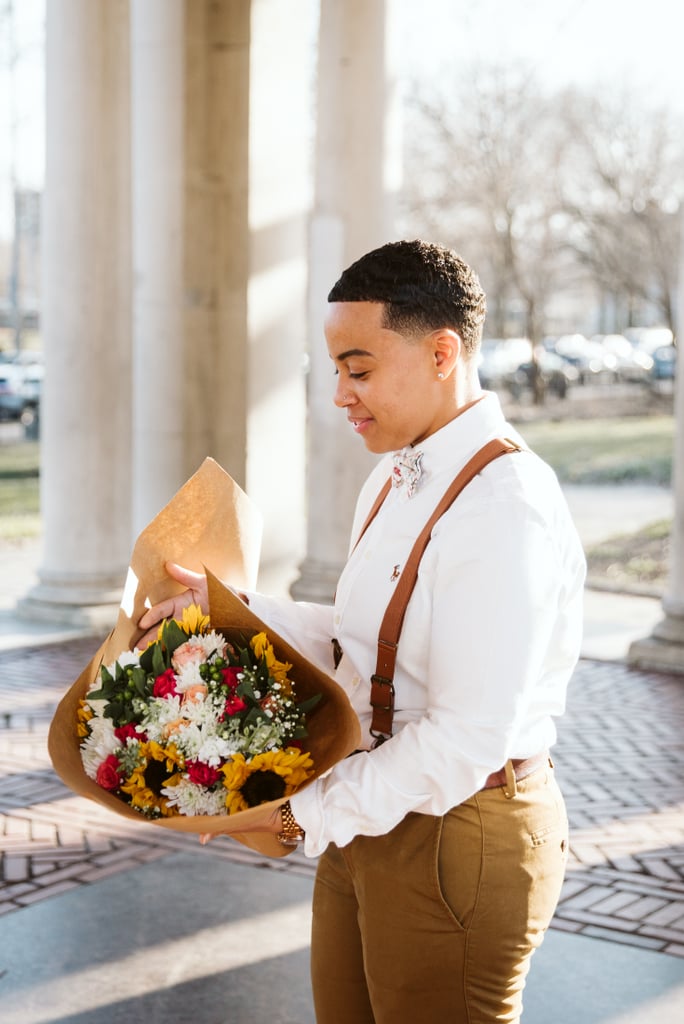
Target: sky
601, 44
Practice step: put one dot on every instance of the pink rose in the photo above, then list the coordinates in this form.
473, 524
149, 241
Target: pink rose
109, 773
187, 654
165, 684
202, 774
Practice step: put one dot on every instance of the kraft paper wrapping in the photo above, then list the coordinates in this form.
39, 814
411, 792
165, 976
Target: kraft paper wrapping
209, 526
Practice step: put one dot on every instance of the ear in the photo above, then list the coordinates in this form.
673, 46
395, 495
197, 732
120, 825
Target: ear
446, 348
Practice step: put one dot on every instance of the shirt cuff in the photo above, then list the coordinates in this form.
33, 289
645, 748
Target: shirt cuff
308, 813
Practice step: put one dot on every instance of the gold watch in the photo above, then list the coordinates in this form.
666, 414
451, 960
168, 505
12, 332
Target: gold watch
291, 833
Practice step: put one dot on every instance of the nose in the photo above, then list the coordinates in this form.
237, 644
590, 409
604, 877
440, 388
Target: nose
342, 397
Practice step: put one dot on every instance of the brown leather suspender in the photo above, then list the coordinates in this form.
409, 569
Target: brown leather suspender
382, 681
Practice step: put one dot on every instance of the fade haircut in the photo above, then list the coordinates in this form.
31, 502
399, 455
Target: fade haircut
423, 288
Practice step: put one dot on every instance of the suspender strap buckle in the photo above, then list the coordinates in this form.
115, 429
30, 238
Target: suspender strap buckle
382, 702
382, 693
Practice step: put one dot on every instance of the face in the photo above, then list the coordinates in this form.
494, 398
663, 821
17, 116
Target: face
387, 384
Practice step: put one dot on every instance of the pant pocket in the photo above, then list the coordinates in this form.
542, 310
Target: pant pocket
458, 862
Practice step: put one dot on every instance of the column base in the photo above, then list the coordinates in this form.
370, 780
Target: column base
79, 601
317, 582
663, 651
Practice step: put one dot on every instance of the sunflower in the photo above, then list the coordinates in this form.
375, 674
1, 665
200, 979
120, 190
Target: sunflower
194, 620
157, 767
277, 669
83, 714
265, 777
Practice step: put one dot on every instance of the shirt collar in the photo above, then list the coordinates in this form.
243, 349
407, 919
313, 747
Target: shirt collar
453, 444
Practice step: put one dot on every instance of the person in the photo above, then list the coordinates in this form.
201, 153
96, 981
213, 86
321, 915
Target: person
441, 850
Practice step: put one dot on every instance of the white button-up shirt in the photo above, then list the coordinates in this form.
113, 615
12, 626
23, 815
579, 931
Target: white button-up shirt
489, 641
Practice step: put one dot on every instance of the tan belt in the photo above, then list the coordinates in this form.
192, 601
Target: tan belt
521, 769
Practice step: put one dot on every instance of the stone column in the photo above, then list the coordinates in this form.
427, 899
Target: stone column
85, 473
664, 649
158, 163
356, 177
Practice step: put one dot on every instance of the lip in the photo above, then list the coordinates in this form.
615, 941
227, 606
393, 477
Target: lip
360, 423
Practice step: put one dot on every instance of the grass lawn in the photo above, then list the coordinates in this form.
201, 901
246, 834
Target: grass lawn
19, 490
606, 451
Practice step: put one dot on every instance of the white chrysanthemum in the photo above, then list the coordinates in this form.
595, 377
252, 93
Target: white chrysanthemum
191, 799
128, 658
97, 706
199, 741
214, 750
187, 676
159, 714
97, 747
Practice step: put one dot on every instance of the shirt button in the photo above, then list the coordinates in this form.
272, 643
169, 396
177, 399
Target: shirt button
337, 620
355, 681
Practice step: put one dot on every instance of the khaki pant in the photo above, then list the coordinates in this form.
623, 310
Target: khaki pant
435, 922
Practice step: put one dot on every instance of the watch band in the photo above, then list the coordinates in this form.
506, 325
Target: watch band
291, 833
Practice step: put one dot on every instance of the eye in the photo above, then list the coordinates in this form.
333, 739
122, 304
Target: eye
359, 376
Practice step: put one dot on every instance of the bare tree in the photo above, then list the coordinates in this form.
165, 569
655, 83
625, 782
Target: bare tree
623, 194
481, 171
542, 191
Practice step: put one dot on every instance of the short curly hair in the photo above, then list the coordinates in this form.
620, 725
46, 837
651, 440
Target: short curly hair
423, 287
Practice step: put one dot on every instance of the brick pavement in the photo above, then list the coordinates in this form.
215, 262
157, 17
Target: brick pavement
620, 762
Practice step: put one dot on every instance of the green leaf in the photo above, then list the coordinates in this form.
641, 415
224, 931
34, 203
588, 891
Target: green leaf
254, 716
308, 705
173, 636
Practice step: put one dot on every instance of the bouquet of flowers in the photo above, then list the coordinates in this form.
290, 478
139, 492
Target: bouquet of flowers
210, 749
195, 724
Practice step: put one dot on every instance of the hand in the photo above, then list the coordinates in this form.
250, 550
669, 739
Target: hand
272, 822
172, 607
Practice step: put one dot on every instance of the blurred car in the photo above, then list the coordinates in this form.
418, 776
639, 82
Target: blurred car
499, 359
664, 363
633, 365
20, 389
556, 373
649, 338
591, 360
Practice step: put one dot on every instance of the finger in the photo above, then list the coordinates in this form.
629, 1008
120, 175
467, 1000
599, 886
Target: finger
155, 614
205, 837
192, 580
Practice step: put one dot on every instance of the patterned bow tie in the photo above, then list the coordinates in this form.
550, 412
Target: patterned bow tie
406, 469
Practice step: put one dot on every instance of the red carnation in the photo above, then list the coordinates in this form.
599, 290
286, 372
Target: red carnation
230, 676
233, 705
202, 774
109, 773
165, 684
126, 732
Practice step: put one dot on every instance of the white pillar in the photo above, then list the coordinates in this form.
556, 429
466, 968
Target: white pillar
282, 63
85, 476
158, 207
357, 175
664, 649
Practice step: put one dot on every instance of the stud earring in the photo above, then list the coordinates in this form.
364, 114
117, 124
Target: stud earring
440, 376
